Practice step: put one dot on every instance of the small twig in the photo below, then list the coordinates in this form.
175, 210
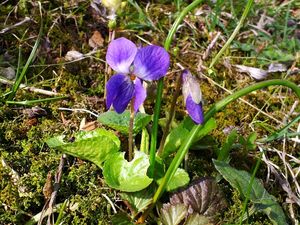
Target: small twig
25, 20
211, 46
130, 133
56, 186
79, 110
32, 89
110, 202
35, 219
2, 3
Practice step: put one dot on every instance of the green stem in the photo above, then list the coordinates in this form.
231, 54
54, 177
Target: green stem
235, 32
170, 116
213, 110
160, 85
130, 132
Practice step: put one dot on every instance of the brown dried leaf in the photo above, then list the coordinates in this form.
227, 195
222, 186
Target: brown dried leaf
96, 40
203, 196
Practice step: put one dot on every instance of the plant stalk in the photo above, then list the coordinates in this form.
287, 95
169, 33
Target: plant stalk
130, 133
157, 107
170, 117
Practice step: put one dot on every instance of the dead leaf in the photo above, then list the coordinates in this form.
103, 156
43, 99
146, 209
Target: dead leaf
9, 73
203, 196
277, 67
96, 40
73, 55
256, 73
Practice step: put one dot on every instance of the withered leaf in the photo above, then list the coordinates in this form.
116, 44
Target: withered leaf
96, 40
256, 73
203, 196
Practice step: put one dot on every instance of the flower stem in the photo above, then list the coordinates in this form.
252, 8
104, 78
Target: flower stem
213, 110
170, 117
167, 45
130, 133
107, 72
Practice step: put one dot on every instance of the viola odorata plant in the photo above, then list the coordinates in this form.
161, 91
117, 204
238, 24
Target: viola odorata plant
133, 66
192, 97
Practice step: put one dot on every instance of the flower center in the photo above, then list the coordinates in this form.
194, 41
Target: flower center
132, 77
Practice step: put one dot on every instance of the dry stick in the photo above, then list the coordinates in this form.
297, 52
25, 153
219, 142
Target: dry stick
130, 133
211, 45
171, 116
25, 20
32, 89
56, 184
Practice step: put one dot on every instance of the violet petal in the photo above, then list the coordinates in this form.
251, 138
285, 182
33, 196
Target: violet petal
194, 110
120, 91
140, 94
120, 55
151, 63
112, 88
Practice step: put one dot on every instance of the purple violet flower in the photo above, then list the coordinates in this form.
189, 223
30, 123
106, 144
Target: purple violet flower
192, 97
132, 66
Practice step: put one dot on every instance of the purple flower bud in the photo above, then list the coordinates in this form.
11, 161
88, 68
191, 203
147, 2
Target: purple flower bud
192, 97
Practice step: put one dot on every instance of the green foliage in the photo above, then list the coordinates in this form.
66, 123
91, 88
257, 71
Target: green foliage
174, 140
181, 132
94, 146
121, 219
127, 176
173, 214
249, 142
261, 199
180, 179
139, 200
196, 219
226, 147
120, 122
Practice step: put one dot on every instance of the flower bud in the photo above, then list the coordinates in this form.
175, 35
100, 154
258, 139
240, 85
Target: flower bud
192, 97
112, 4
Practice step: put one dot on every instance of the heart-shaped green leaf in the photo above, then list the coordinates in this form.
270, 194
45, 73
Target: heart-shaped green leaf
94, 146
127, 176
120, 122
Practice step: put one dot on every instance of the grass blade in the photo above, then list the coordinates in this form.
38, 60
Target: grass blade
17, 83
